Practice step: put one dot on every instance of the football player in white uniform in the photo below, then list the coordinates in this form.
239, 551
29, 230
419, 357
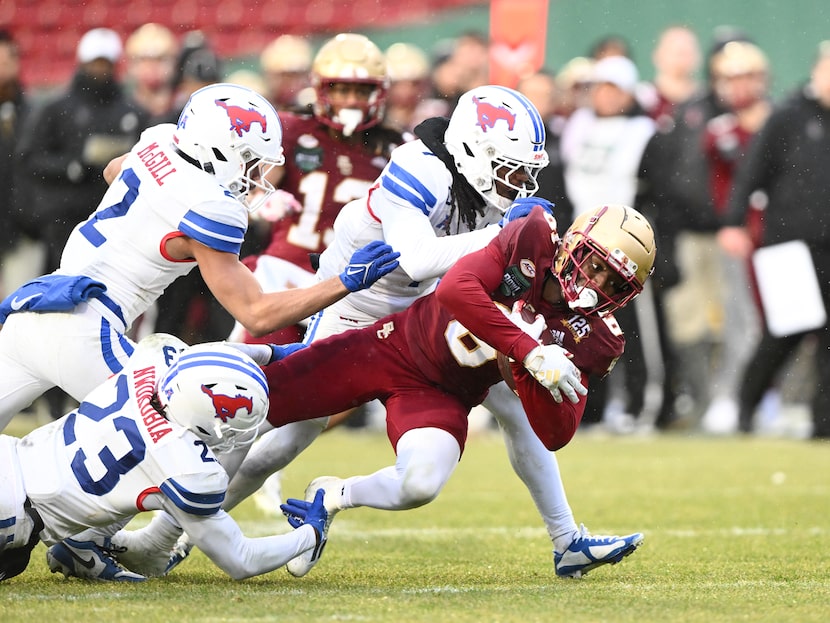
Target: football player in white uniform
146, 439
181, 197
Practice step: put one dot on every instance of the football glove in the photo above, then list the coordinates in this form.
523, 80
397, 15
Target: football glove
551, 366
522, 206
300, 512
368, 264
281, 351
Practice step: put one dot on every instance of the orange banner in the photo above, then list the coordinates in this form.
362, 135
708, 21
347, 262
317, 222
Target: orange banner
517, 39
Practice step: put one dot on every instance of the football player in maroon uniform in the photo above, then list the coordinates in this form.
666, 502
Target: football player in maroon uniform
331, 157
433, 362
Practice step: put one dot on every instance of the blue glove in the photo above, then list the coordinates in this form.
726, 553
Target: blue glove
281, 351
300, 512
369, 264
522, 207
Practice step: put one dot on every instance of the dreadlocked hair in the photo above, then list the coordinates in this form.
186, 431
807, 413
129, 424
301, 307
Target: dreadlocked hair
466, 204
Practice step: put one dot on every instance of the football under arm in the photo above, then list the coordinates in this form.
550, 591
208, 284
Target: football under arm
221, 540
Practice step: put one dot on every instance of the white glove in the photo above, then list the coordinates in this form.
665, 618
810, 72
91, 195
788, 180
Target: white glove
533, 329
279, 205
551, 366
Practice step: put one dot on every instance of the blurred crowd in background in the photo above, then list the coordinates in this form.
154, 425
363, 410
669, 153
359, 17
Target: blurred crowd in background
703, 150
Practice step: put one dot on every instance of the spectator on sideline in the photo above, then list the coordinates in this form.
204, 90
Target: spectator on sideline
788, 161
408, 68
677, 60
151, 52
19, 236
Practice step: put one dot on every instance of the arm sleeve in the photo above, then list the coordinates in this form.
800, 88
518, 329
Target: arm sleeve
221, 539
423, 254
554, 423
410, 202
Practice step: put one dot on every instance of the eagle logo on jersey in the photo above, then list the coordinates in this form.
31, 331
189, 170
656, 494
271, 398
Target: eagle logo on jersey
488, 115
227, 406
243, 118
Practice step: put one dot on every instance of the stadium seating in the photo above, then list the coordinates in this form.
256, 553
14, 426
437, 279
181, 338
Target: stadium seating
48, 30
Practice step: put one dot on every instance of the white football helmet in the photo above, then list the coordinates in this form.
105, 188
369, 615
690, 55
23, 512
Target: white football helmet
494, 132
218, 393
234, 133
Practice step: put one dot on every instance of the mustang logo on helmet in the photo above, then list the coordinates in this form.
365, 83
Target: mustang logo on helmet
488, 115
227, 406
243, 118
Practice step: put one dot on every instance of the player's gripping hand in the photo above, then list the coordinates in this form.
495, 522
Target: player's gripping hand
519, 316
522, 206
300, 512
281, 351
368, 264
552, 367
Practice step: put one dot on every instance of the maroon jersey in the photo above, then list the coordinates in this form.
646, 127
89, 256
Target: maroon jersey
433, 362
324, 174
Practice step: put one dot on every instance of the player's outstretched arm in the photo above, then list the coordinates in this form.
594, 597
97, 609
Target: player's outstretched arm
220, 539
235, 287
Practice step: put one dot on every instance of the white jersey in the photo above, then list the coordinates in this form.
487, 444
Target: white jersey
157, 196
409, 208
96, 465
116, 456
602, 157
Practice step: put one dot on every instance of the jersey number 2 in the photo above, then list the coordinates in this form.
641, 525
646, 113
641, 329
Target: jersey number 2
88, 229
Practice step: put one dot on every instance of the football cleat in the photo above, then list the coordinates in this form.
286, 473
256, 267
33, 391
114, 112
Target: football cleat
89, 561
333, 488
180, 551
587, 552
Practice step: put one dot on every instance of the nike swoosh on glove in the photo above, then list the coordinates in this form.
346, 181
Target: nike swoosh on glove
368, 264
281, 351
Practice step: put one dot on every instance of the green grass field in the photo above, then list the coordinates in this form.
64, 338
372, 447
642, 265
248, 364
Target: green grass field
736, 530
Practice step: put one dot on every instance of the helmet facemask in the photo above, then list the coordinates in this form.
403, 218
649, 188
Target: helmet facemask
580, 290
613, 236
349, 120
504, 170
252, 187
350, 59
